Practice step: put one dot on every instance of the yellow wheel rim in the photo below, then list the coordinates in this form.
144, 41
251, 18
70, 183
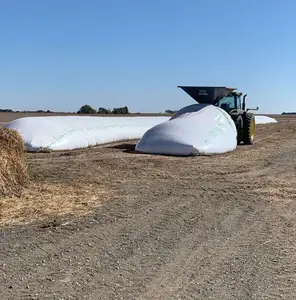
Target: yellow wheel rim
252, 131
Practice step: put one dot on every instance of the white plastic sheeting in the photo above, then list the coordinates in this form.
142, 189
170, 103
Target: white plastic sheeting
73, 132
194, 130
264, 120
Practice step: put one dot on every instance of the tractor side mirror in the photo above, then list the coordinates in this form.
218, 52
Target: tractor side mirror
253, 108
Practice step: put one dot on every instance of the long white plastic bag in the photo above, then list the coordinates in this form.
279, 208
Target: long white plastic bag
74, 132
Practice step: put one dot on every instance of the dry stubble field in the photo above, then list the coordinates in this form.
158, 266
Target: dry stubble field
106, 223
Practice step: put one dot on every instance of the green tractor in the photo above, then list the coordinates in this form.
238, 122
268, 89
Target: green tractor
230, 101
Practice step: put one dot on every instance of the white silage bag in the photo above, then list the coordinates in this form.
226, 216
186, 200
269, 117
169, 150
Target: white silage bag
74, 132
197, 129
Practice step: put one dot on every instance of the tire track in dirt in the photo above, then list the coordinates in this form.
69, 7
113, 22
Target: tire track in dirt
278, 263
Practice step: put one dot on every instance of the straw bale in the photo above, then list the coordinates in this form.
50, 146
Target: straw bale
13, 168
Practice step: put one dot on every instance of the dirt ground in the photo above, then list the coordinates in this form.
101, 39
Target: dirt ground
219, 227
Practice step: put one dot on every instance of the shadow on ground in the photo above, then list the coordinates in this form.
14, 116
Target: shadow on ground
126, 147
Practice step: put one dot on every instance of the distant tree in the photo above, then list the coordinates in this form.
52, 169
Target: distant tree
289, 113
169, 111
125, 110
6, 110
86, 109
120, 110
103, 110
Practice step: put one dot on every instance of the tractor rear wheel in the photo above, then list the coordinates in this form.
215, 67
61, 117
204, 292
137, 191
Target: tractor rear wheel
249, 128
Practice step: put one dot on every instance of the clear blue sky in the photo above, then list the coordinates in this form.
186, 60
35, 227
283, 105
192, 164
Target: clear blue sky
61, 54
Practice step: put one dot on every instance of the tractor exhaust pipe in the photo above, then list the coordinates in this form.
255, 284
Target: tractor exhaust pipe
244, 102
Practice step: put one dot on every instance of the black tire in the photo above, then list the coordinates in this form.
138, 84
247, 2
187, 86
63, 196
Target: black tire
238, 121
249, 128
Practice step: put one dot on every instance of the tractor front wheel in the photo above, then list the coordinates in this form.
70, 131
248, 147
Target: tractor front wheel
239, 128
248, 128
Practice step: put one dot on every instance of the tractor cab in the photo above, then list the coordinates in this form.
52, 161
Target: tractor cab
230, 101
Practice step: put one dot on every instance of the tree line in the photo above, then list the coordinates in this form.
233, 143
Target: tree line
8, 110
87, 109
289, 113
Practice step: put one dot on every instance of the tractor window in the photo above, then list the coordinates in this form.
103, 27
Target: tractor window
227, 103
239, 102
